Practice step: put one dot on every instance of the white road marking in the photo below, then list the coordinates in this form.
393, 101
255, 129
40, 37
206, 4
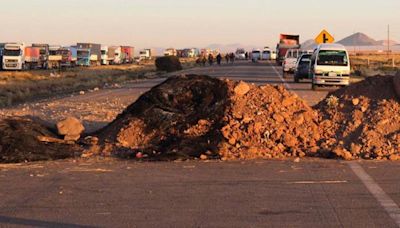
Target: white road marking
318, 182
281, 78
385, 201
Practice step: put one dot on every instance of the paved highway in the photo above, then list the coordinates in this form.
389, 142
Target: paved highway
115, 193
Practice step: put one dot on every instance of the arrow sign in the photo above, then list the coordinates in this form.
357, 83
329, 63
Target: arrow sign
324, 37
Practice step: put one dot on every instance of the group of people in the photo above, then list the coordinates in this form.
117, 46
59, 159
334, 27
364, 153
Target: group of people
229, 58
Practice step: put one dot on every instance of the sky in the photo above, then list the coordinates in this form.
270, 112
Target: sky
192, 23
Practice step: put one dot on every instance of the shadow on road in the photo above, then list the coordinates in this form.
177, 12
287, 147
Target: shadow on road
36, 223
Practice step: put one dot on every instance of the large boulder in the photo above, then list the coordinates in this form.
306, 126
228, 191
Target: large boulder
168, 64
71, 128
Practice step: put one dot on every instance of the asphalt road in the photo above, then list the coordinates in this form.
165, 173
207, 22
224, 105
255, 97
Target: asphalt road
115, 193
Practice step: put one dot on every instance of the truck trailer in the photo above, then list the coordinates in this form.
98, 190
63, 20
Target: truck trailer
116, 55
286, 42
106, 55
14, 56
128, 54
94, 51
32, 57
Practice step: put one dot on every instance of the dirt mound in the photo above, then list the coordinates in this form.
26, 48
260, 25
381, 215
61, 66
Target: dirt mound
362, 121
200, 116
19, 142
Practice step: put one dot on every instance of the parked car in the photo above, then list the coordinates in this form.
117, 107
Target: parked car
240, 54
330, 65
302, 70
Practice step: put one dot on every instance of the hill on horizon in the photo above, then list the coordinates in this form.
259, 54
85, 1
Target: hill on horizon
358, 39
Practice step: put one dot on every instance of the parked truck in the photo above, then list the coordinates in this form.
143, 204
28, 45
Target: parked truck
128, 54
94, 52
55, 57
146, 54
116, 54
68, 56
44, 55
106, 55
1, 55
286, 42
32, 57
83, 55
170, 52
14, 56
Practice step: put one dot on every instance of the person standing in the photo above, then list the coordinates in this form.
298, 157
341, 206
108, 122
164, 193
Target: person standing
246, 55
204, 60
227, 58
232, 58
210, 59
219, 59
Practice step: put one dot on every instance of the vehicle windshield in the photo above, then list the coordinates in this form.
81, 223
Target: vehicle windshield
292, 54
332, 58
143, 53
267, 52
305, 59
11, 52
53, 52
256, 52
103, 52
83, 53
42, 52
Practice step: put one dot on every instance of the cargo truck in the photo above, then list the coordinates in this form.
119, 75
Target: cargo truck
106, 55
83, 55
44, 55
128, 54
286, 42
1, 55
94, 52
68, 56
55, 57
170, 52
32, 57
116, 54
146, 54
14, 56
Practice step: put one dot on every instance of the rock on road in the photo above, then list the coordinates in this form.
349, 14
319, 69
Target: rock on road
115, 193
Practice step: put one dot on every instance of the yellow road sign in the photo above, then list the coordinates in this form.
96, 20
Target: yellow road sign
324, 37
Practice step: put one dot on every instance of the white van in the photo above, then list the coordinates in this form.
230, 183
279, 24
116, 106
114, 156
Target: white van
330, 65
266, 54
256, 55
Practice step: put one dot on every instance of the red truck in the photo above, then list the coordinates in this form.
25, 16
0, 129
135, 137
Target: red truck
127, 54
286, 42
32, 57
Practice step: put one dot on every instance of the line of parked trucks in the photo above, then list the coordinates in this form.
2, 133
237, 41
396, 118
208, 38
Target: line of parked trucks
18, 56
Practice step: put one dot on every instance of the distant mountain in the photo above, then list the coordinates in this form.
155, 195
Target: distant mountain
384, 42
358, 39
309, 45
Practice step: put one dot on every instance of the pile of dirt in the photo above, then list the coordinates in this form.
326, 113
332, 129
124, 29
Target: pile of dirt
199, 116
362, 121
25, 140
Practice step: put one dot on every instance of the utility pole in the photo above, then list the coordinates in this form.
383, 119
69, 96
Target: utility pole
388, 40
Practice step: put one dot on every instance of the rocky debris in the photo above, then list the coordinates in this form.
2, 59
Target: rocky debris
71, 128
25, 140
396, 84
203, 117
366, 122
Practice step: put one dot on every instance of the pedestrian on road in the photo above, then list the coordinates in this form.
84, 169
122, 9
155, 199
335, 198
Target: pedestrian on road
210, 59
227, 58
204, 60
246, 55
219, 59
232, 58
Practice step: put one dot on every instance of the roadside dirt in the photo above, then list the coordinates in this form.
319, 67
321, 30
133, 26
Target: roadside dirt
200, 116
364, 122
20, 142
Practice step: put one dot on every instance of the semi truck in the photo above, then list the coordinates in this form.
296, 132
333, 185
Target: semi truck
128, 54
1, 55
14, 56
55, 57
83, 55
44, 55
286, 42
170, 52
116, 54
146, 54
106, 55
94, 52
68, 56
32, 57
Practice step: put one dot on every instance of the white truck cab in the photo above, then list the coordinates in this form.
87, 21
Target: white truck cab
256, 55
14, 56
330, 65
106, 57
290, 62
